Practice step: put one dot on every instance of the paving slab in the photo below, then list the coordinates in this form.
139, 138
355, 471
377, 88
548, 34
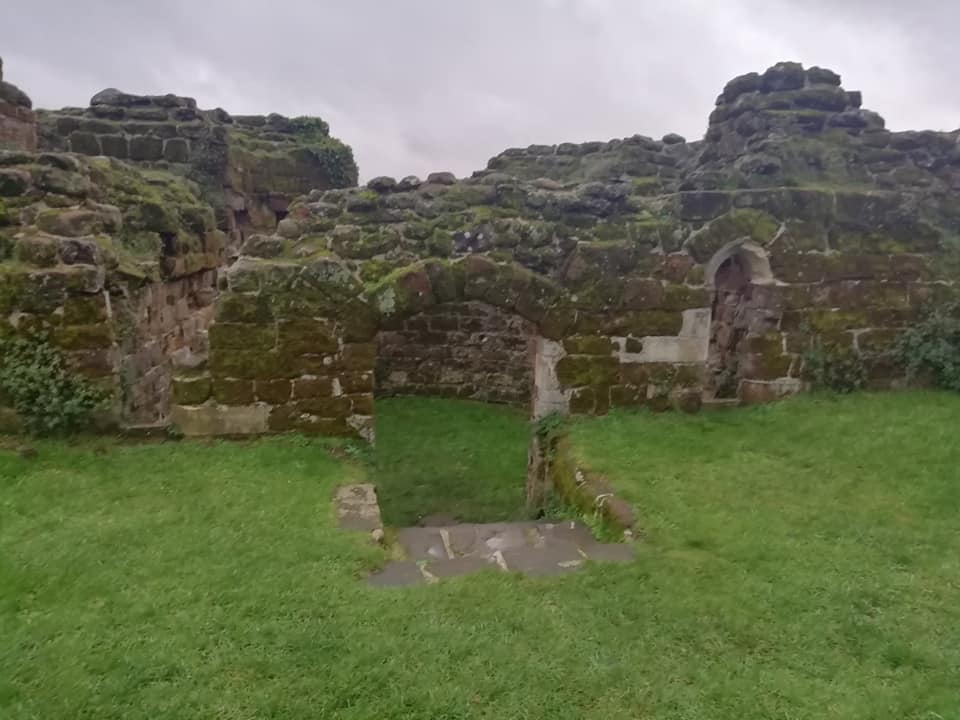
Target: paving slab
508, 536
568, 530
459, 566
609, 553
398, 573
357, 508
465, 541
553, 559
423, 543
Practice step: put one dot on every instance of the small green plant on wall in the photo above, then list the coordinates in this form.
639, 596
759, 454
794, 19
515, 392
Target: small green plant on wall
930, 349
832, 367
35, 381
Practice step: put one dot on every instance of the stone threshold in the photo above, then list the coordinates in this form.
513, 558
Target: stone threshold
431, 554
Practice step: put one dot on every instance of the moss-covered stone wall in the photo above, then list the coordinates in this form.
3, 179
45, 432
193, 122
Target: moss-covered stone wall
619, 282
116, 267
467, 350
645, 272
248, 167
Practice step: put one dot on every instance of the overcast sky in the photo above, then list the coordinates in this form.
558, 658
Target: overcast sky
422, 85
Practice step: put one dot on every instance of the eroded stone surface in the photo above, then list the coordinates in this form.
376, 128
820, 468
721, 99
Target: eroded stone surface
531, 548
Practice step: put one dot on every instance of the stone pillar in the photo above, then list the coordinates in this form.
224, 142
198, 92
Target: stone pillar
548, 395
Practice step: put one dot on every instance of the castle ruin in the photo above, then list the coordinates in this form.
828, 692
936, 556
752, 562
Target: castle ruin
226, 275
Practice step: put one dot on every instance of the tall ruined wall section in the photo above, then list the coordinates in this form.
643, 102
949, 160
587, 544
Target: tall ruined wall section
114, 266
248, 167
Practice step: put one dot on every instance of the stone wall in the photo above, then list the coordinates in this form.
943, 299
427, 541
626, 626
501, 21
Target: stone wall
290, 349
647, 272
114, 268
167, 332
466, 350
248, 167
17, 121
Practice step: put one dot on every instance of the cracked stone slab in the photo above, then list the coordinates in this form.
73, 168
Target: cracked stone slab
568, 530
508, 536
357, 508
553, 559
459, 566
398, 573
609, 553
424, 543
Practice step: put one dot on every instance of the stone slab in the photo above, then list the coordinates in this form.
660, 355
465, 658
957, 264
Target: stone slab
398, 574
554, 559
459, 566
357, 508
569, 530
609, 553
422, 543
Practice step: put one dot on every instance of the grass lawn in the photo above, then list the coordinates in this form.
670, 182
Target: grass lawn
802, 561
456, 457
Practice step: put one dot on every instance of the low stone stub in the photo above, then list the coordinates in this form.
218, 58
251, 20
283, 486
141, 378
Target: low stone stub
211, 420
548, 395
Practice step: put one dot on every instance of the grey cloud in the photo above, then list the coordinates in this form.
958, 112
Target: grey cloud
433, 84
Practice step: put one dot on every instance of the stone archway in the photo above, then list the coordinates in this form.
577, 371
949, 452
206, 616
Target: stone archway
732, 275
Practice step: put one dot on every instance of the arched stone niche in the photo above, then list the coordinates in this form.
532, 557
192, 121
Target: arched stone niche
738, 313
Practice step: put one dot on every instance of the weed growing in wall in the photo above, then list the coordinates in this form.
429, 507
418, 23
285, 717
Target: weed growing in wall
832, 367
930, 349
35, 381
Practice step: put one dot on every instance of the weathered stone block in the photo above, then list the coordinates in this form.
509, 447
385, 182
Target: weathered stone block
275, 392
211, 420
250, 365
85, 310
233, 392
644, 293
176, 150
306, 337
361, 404
355, 382
580, 370
84, 337
589, 345
146, 148
358, 356
244, 308
704, 205
328, 407
625, 396
800, 267
642, 323
70, 223
84, 143
115, 146
191, 390
312, 387
42, 251
13, 182
242, 336
684, 297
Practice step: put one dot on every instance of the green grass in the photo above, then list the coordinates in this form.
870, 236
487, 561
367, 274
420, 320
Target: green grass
456, 457
802, 562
